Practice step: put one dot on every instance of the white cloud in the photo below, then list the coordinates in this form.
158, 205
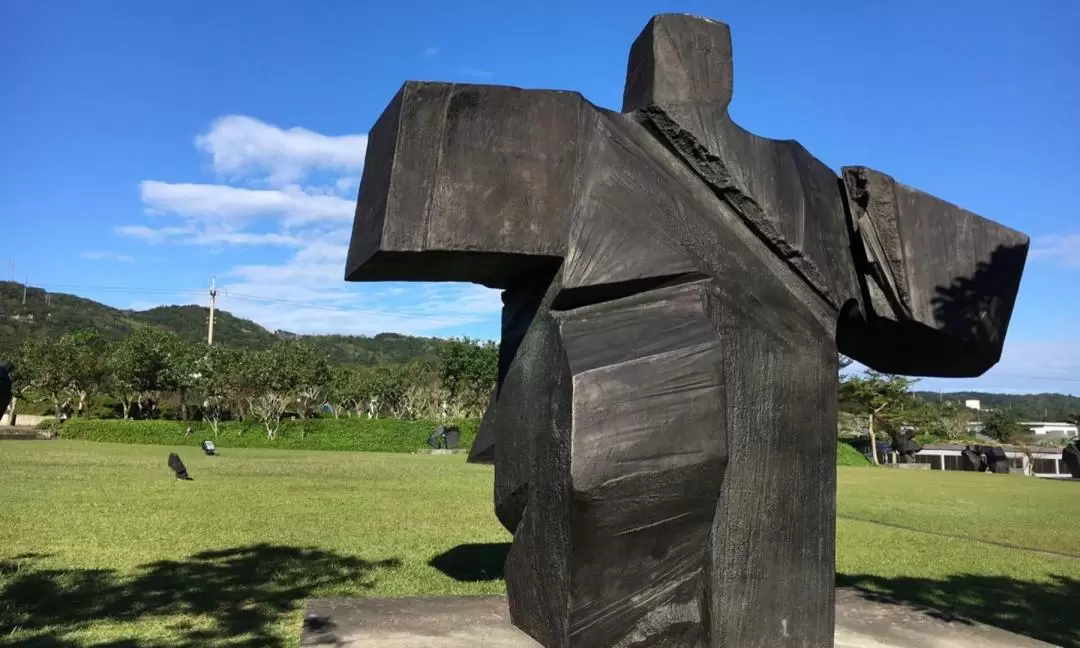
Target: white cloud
217, 203
241, 146
1063, 249
431, 51
304, 291
106, 255
152, 234
307, 294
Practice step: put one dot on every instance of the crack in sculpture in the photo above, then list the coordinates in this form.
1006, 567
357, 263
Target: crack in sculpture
675, 292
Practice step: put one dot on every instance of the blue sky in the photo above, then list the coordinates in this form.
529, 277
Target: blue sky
150, 145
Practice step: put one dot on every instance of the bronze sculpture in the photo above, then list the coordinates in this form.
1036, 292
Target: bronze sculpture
675, 291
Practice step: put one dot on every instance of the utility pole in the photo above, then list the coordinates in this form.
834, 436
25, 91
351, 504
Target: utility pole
25, 284
213, 303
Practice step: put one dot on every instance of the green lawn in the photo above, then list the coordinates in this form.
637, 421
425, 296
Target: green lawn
100, 546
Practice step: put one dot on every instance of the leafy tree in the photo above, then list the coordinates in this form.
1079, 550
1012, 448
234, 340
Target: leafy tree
269, 371
83, 354
214, 369
310, 375
1003, 425
45, 368
181, 359
268, 407
385, 388
344, 391
20, 384
468, 369
138, 367
880, 396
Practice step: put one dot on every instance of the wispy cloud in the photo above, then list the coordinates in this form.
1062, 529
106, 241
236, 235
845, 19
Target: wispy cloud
106, 255
242, 146
216, 203
303, 208
476, 72
431, 51
1063, 249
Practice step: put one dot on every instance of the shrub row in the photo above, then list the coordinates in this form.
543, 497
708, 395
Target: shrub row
348, 434
352, 434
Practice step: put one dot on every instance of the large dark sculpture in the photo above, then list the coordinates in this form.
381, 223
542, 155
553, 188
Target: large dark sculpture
675, 293
906, 446
5, 387
1070, 456
971, 459
996, 459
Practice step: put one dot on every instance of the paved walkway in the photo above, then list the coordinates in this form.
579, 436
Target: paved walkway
862, 621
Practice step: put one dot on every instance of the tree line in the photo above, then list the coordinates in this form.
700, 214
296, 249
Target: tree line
149, 367
213, 383
880, 405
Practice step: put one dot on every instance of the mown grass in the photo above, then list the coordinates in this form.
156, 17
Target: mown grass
100, 546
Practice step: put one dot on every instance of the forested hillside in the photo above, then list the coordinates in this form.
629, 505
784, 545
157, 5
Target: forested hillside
55, 314
1028, 407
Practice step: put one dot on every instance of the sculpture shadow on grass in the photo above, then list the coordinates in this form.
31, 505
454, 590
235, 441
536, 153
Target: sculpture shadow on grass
1044, 611
238, 596
473, 562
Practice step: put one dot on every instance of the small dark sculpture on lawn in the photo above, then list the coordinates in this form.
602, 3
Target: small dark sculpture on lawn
675, 293
972, 459
906, 446
1070, 456
5, 387
996, 459
177, 467
209, 448
447, 437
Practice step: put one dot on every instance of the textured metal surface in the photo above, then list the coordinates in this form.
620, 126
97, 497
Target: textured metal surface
676, 290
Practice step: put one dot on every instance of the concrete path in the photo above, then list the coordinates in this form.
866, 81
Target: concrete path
862, 621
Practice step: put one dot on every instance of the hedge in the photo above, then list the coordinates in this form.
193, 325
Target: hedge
352, 434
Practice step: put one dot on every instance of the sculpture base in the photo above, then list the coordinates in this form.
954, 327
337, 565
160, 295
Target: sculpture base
862, 619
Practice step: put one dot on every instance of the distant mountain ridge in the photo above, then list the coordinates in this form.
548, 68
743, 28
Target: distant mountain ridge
50, 313
1029, 407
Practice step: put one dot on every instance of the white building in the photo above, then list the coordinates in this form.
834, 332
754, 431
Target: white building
1039, 462
1052, 430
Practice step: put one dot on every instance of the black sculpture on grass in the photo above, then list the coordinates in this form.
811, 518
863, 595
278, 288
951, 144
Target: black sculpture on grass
1070, 456
5, 388
905, 445
972, 459
445, 437
178, 467
996, 460
675, 292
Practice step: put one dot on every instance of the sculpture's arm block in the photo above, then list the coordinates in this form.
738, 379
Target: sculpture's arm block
939, 282
466, 183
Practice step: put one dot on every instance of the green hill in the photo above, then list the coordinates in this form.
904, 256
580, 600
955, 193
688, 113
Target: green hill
62, 313
1028, 407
